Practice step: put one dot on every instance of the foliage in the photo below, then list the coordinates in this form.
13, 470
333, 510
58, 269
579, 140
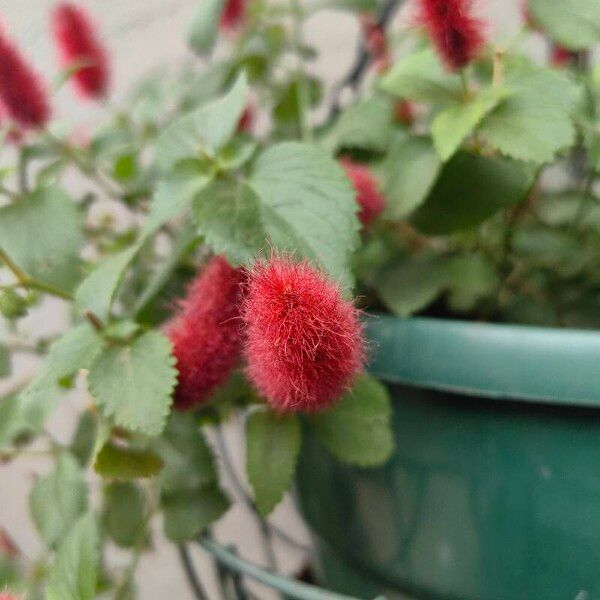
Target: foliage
239, 155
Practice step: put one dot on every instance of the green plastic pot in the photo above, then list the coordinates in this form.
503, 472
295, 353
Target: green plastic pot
493, 492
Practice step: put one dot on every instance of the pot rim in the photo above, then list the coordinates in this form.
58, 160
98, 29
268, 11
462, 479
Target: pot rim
489, 360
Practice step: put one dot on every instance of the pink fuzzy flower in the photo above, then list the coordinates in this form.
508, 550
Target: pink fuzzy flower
405, 112
8, 596
456, 34
78, 42
560, 56
206, 334
22, 94
368, 196
304, 341
233, 15
246, 122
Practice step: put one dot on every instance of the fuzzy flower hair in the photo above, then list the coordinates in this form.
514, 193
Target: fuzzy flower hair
206, 333
77, 42
304, 341
456, 34
233, 15
22, 94
368, 196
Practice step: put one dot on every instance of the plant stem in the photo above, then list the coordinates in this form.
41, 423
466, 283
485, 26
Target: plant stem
29, 282
191, 574
464, 84
303, 92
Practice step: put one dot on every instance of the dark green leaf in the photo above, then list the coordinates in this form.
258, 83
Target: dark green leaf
409, 172
57, 500
120, 462
75, 571
133, 384
125, 513
187, 513
42, 233
358, 429
471, 189
272, 447
4, 361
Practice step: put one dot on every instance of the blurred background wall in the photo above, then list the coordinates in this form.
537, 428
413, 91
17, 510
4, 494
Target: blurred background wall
142, 35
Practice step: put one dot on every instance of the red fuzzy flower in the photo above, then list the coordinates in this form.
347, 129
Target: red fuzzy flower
247, 119
206, 334
233, 15
560, 56
77, 42
22, 94
368, 196
304, 342
8, 596
457, 35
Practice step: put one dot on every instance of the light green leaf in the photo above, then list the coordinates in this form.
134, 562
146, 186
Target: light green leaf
228, 215
125, 513
97, 291
453, 124
187, 514
11, 422
189, 463
534, 122
82, 444
42, 233
57, 500
75, 571
75, 350
206, 129
409, 172
470, 278
174, 195
366, 125
308, 206
412, 284
574, 24
120, 462
133, 384
358, 429
272, 447
204, 27
469, 190
422, 77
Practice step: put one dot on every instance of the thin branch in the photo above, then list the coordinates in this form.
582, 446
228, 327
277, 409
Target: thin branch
191, 574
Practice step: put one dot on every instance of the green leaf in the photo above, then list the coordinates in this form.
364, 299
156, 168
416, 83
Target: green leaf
97, 291
471, 189
82, 444
125, 513
187, 514
228, 215
453, 124
534, 122
75, 571
189, 464
412, 284
174, 195
206, 129
574, 24
422, 77
133, 384
470, 278
50, 247
358, 430
272, 447
11, 421
409, 172
4, 361
75, 350
57, 500
125, 167
308, 206
204, 27
366, 125
119, 462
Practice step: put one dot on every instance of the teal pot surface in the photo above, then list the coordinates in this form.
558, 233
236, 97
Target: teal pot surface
493, 492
